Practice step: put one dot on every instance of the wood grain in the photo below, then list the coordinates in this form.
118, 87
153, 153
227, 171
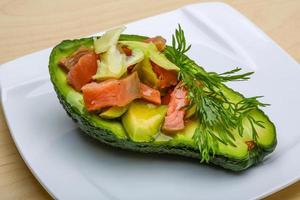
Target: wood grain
30, 25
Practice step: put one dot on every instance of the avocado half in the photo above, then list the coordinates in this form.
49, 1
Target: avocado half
112, 132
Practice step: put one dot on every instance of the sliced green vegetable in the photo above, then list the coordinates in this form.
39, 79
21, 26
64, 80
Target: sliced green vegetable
113, 112
147, 74
111, 65
161, 60
152, 53
136, 57
107, 40
143, 120
138, 45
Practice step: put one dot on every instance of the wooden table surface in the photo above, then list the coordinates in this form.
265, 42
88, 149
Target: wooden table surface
31, 25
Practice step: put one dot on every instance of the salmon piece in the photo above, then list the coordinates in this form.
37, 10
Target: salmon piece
166, 78
70, 61
111, 92
158, 41
174, 122
81, 73
175, 114
150, 94
165, 100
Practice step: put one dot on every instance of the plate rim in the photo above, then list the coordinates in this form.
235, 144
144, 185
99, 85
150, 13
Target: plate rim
51, 193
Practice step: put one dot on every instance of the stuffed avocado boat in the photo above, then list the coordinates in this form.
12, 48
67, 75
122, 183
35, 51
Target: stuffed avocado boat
137, 93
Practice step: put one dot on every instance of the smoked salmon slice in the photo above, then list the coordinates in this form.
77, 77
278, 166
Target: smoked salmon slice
165, 100
81, 73
175, 114
166, 78
150, 94
111, 92
70, 61
158, 41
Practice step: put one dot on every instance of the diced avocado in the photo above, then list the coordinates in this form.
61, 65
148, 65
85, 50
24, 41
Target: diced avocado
147, 74
113, 112
154, 55
142, 121
107, 40
114, 133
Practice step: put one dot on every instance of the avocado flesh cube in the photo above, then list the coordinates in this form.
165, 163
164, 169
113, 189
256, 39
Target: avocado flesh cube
112, 132
146, 73
113, 112
142, 121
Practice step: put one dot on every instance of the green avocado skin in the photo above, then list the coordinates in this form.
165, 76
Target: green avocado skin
256, 155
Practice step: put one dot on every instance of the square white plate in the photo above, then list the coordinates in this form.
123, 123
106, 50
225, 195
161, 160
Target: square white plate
70, 165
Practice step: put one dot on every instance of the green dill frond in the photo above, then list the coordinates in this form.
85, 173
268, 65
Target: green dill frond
215, 112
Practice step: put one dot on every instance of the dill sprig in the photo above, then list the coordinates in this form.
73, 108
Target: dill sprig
218, 116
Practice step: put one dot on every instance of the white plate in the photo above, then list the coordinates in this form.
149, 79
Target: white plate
70, 165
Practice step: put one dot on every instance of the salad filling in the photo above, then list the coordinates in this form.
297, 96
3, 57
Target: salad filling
158, 94
113, 75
